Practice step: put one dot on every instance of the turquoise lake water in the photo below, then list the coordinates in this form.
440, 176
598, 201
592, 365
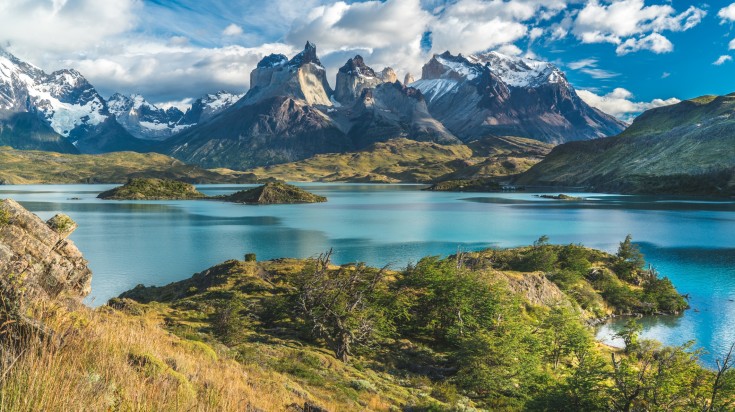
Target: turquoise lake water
157, 242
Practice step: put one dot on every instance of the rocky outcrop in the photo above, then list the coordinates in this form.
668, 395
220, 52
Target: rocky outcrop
354, 77
37, 261
392, 109
302, 77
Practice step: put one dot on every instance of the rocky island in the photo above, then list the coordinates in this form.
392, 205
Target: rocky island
560, 196
153, 189
273, 193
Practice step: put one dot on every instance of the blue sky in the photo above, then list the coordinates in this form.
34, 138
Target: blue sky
625, 55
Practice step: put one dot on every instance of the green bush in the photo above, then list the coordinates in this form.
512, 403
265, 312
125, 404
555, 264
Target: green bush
4, 217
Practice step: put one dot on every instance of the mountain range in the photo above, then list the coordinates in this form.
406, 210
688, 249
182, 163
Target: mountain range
291, 112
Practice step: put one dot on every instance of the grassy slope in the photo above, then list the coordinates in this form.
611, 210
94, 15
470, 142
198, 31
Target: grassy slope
403, 160
683, 148
36, 167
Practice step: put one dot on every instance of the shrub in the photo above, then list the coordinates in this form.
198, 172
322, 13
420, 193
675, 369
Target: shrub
250, 257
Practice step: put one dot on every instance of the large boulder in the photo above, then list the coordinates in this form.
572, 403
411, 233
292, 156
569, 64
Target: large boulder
37, 261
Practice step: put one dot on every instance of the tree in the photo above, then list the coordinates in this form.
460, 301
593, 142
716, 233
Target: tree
629, 259
723, 387
340, 305
629, 334
565, 335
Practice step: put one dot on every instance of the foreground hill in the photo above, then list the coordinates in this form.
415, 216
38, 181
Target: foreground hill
37, 167
408, 161
493, 330
686, 148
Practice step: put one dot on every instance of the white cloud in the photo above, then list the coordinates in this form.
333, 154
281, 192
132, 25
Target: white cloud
232, 30
599, 73
39, 26
727, 14
468, 26
722, 59
620, 104
665, 75
159, 70
653, 42
731, 46
589, 66
580, 64
385, 33
632, 25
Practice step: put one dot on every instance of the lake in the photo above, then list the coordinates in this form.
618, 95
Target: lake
692, 241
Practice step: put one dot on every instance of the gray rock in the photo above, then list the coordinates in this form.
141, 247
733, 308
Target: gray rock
39, 261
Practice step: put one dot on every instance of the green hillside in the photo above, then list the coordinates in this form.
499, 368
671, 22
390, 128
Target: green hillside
686, 148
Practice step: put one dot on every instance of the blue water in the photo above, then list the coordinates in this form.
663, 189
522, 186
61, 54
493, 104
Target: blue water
156, 242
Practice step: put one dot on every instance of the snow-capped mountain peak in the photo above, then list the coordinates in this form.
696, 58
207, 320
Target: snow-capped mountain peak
520, 71
63, 98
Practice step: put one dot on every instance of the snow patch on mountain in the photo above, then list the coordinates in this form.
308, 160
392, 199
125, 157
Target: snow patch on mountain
433, 89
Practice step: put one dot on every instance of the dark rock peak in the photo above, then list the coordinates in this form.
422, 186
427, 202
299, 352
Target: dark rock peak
273, 60
357, 66
174, 113
308, 55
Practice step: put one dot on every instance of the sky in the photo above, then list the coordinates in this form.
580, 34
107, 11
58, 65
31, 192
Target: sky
622, 56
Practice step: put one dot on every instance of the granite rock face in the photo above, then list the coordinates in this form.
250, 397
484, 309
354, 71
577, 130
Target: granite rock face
39, 260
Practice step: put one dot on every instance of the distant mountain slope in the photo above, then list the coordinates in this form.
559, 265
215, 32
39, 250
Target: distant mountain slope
495, 94
409, 161
688, 147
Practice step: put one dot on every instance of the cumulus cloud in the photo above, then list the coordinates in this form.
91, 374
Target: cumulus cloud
731, 46
386, 33
632, 25
721, 60
468, 26
232, 30
620, 103
38, 26
653, 42
159, 70
727, 14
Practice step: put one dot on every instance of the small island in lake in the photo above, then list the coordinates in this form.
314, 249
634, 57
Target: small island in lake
560, 196
153, 189
273, 193
473, 185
